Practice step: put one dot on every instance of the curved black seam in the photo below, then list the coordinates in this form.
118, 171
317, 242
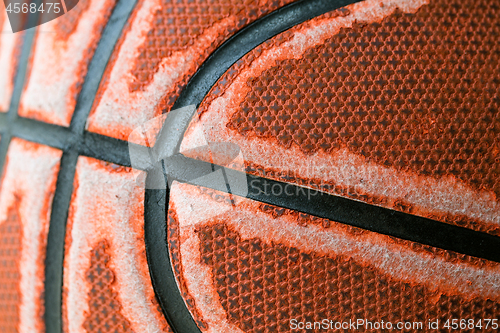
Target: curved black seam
246, 40
343, 210
74, 136
171, 301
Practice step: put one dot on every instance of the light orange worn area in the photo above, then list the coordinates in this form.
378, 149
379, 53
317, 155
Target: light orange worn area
28, 187
105, 244
164, 45
247, 268
60, 58
9, 48
11, 237
341, 170
3, 17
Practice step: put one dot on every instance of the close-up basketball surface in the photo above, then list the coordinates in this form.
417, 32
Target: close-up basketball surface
251, 166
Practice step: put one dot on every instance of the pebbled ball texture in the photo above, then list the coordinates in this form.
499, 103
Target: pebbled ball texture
393, 103
390, 102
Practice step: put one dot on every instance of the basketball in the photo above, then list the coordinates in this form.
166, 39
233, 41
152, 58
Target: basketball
249, 166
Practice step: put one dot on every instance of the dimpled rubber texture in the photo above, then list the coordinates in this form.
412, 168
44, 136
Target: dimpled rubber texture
10, 249
164, 44
107, 285
60, 59
263, 275
418, 92
28, 186
105, 309
410, 89
398, 109
262, 287
179, 23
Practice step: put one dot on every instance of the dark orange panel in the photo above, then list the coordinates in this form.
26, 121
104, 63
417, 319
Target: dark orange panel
246, 267
394, 103
105, 309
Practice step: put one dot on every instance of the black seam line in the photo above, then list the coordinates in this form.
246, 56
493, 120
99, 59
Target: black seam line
20, 77
163, 279
99, 62
69, 139
55, 243
343, 210
116, 151
93, 145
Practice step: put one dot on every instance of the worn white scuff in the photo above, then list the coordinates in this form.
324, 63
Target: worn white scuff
31, 173
120, 111
107, 207
55, 67
8, 42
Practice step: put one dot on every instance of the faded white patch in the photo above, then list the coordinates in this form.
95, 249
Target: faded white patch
199, 280
7, 47
121, 110
30, 174
198, 277
393, 259
105, 207
56, 65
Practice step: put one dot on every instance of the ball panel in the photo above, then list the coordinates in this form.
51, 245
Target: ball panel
391, 99
107, 217
59, 62
293, 113
254, 268
263, 287
28, 187
179, 25
163, 47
